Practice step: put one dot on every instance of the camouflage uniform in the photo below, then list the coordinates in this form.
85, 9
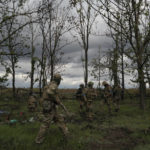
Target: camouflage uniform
91, 95
108, 95
116, 97
49, 112
32, 103
80, 95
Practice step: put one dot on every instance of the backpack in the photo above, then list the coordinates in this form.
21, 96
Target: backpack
47, 106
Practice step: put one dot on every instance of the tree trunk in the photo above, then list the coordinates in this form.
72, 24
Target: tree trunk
41, 71
52, 68
44, 73
32, 71
122, 66
142, 87
86, 67
32, 77
32, 61
148, 78
122, 73
115, 62
40, 86
13, 79
99, 75
115, 72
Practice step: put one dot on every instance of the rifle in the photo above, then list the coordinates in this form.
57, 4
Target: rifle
62, 105
64, 108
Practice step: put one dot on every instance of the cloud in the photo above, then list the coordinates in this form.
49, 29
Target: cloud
73, 74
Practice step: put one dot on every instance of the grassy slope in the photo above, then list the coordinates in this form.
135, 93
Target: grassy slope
126, 130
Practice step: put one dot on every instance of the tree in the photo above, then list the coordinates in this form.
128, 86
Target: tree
98, 67
114, 61
53, 17
134, 27
83, 20
7, 13
33, 36
14, 43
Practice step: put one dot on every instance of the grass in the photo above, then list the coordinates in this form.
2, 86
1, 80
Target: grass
127, 130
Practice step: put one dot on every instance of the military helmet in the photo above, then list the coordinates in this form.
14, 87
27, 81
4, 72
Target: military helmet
81, 85
90, 83
104, 83
33, 95
57, 77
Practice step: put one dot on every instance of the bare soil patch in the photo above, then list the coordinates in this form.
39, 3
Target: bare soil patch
116, 139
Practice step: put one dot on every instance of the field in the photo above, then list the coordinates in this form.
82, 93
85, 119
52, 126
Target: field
129, 129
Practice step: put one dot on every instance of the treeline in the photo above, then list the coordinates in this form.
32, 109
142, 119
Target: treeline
29, 27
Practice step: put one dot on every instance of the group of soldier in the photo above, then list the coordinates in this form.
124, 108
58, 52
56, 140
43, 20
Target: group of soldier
85, 95
112, 96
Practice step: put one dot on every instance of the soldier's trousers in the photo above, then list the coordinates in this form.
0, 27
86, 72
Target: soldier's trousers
31, 108
47, 118
82, 105
89, 109
109, 102
116, 103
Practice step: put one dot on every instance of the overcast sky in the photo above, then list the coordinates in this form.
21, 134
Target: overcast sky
73, 70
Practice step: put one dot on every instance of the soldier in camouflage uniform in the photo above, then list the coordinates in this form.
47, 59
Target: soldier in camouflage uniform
116, 97
49, 109
80, 95
90, 95
32, 103
108, 96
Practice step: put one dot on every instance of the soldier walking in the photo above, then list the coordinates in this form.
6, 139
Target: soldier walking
116, 97
32, 103
49, 109
80, 95
108, 96
91, 95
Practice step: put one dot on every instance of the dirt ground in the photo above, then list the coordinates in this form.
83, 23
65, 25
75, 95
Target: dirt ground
116, 139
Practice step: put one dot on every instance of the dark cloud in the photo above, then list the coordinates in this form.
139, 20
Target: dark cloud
73, 74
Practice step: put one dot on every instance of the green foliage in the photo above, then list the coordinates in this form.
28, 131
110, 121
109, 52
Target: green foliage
145, 147
4, 79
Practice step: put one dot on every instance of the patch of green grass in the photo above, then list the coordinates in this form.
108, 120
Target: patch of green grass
127, 128
142, 147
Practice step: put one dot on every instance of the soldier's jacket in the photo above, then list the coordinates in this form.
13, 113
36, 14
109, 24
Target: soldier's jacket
32, 102
117, 92
107, 92
91, 94
50, 97
80, 94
